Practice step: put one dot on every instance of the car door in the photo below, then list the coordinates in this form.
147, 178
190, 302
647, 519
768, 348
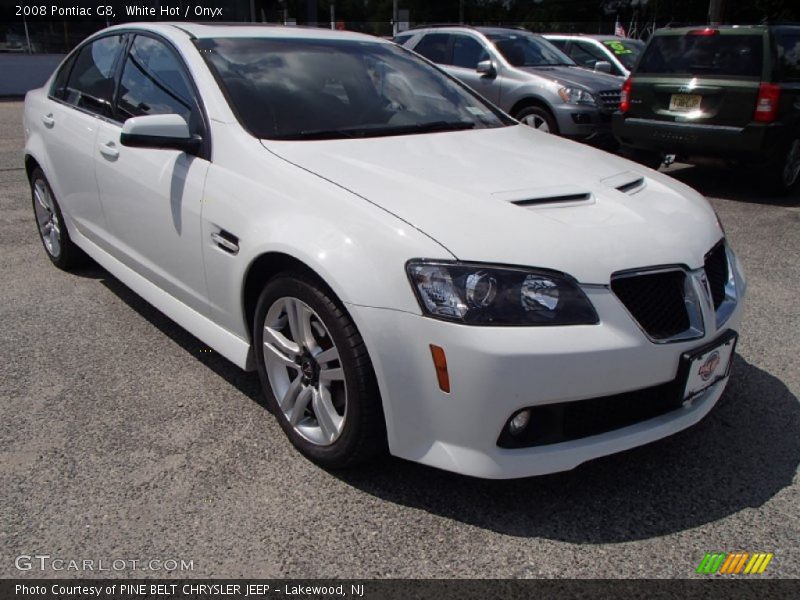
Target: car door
80, 97
467, 52
152, 197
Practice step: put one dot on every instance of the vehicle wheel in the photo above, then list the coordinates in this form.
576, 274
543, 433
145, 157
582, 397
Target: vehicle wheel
538, 118
782, 175
316, 373
647, 158
60, 249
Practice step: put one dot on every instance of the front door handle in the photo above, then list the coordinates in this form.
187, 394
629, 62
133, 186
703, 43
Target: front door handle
109, 150
48, 120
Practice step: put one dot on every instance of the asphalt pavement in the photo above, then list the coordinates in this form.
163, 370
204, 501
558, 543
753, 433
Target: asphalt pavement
123, 438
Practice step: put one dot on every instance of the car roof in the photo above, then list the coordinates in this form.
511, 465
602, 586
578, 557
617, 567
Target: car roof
587, 36
249, 30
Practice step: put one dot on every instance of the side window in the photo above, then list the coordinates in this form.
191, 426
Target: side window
585, 54
789, 56
434, 47
59, 87
560, 44
155, 83
91, 82
467, 52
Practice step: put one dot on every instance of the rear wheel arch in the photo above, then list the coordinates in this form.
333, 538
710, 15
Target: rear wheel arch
30, 164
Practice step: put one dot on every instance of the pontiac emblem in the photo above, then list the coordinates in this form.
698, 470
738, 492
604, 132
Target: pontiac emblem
708, 367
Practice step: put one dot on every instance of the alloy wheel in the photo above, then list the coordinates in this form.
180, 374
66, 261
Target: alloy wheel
46, 218
791, 168
537, 122
304, 370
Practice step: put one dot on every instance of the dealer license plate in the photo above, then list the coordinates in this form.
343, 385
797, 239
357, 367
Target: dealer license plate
708, 365
684, 102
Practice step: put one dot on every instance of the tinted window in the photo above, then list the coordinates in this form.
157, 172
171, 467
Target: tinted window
434, 47
525, 50
322, 89
585, 54
59, 88
154, 82
729, 55
789, 56
403, 38
91, 82
626, 51
467, 52
560, 44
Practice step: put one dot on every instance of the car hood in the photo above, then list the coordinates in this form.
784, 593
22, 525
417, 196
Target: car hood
577, 77
513, 195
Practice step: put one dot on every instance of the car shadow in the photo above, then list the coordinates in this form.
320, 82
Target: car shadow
246, 382
738, 184
741, 455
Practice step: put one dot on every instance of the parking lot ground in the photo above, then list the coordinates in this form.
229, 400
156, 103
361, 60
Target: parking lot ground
121, 437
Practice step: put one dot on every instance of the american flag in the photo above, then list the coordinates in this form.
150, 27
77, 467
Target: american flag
619, 30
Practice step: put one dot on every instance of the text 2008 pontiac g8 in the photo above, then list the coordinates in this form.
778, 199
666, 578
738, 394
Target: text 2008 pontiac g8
407, 268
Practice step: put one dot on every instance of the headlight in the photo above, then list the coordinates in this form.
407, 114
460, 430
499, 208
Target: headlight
576, 96
479, 294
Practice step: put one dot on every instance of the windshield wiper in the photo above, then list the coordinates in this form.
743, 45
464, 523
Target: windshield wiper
384, 131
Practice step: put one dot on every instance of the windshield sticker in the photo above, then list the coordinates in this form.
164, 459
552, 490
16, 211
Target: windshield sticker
618, 47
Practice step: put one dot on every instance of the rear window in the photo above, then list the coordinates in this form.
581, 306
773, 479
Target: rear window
704, 55
789, 56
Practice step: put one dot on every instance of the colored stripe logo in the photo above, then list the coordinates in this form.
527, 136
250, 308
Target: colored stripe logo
734, 564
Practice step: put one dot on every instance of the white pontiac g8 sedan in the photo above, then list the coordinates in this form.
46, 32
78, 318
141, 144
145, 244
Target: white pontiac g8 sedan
407, 268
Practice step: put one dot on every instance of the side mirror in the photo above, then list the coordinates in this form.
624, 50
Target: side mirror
602, 66
487, 68
159, 131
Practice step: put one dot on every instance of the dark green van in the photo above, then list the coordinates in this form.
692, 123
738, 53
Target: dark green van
725, 92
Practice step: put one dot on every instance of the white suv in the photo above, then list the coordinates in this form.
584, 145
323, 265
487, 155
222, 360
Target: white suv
405, 266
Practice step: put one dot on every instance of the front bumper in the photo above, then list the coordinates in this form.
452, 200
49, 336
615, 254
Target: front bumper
586, 123
495, 371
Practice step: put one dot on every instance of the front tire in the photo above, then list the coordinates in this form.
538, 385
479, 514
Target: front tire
53, 233
316, 373
539, 118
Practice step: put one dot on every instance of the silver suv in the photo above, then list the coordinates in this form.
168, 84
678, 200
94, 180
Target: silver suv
524, 75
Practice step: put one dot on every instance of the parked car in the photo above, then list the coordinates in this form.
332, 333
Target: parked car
609, 53
723, 92
404, 265
524, 75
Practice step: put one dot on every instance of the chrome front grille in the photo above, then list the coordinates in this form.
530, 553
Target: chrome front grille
675, 304
609, 100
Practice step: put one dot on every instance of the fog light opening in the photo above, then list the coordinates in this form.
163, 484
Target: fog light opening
519, 422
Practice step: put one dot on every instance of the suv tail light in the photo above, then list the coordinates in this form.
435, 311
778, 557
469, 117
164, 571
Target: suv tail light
625, 96
767, 103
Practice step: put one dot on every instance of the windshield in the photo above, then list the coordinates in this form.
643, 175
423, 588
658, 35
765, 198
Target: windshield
729, 55
625, 51
329, 89
526, 50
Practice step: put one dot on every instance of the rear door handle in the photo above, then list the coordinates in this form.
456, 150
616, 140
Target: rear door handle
48, 120
109, 150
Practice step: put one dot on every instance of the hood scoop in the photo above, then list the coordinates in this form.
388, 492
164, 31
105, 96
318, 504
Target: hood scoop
560, 195
627, 183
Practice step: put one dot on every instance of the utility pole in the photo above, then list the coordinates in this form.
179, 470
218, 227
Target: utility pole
333, 14
716, 9
394, 17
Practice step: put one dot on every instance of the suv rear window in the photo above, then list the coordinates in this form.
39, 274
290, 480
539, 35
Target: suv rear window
702, 55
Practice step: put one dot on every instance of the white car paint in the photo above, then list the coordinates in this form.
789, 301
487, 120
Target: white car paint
355, 211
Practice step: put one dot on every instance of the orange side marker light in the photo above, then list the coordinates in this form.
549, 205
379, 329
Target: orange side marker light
440, 363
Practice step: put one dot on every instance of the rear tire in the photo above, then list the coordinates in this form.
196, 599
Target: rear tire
781, 176
316, 373
58, 246
539, 118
